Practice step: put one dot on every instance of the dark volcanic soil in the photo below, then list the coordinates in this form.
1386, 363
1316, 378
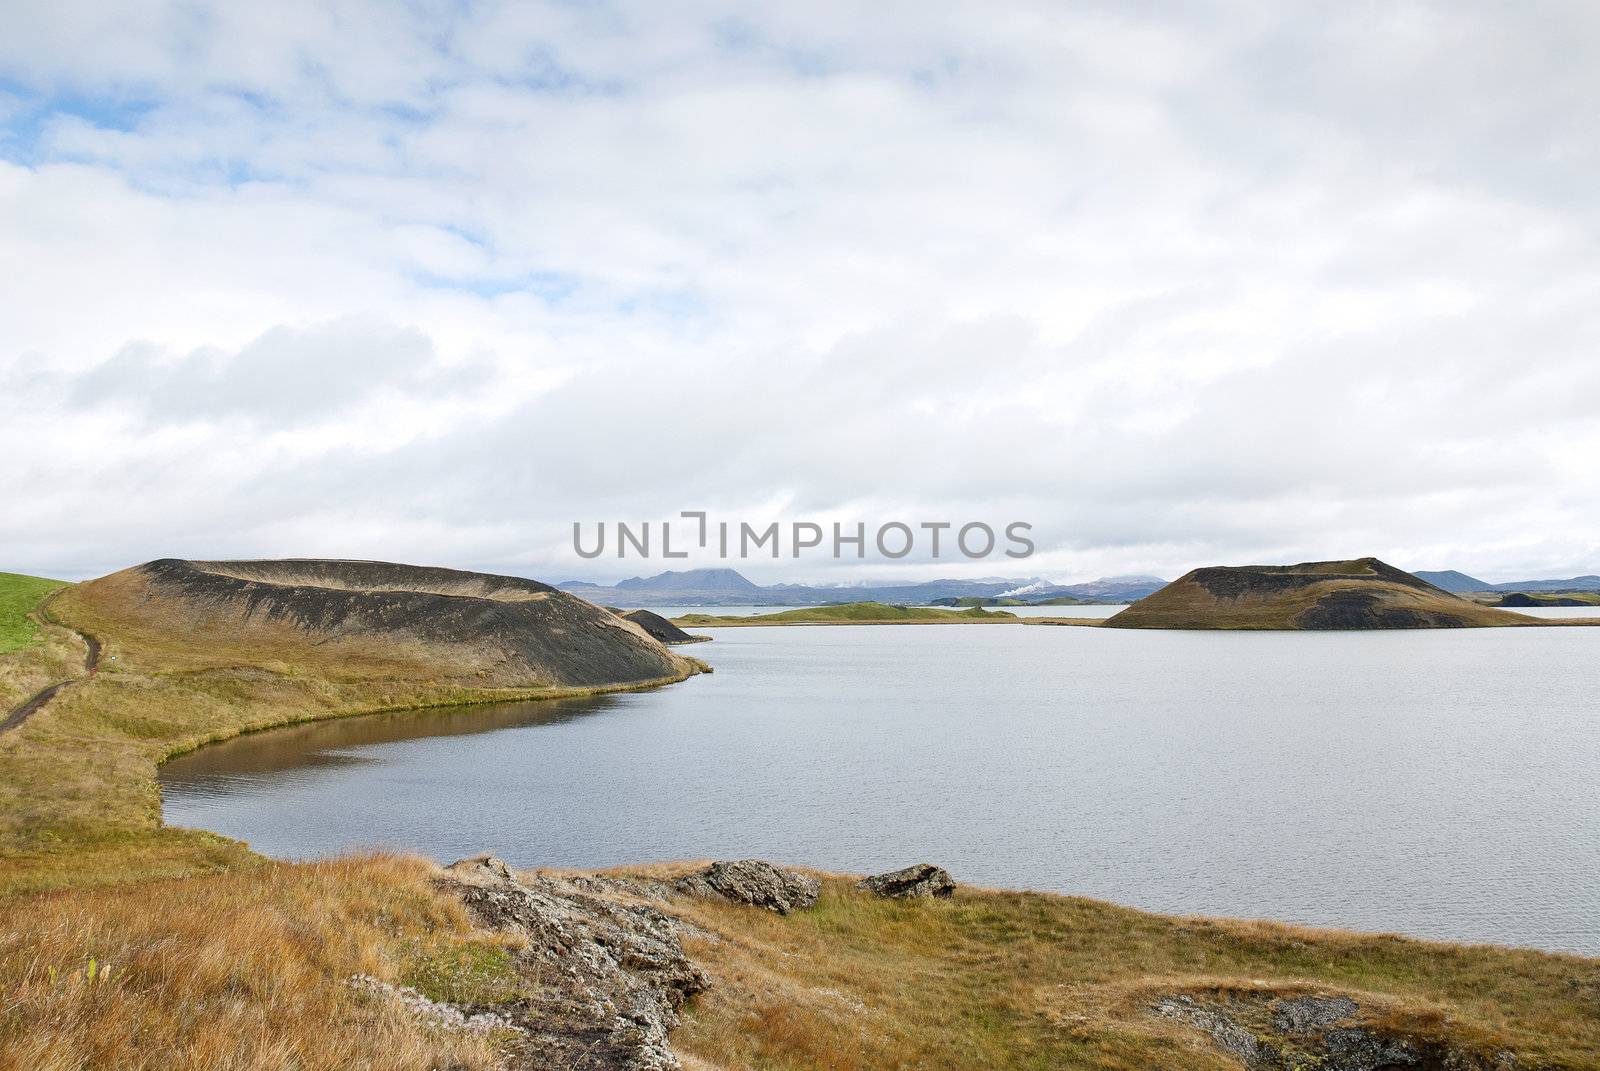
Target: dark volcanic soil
1230, 581
661, 628
503, 630
1363, 593
1361, 609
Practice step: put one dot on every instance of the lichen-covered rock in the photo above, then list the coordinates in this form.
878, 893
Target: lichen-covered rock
1367, 1050
608, 977
753, 882
1315, 1033
482, 870
1302, 1015
1226, 1034
434, 1012
921, 880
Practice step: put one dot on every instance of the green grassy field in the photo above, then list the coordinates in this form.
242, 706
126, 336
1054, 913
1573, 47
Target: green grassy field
20, 596
855, 613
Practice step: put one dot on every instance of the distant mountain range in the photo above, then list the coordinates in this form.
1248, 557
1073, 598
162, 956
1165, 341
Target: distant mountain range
1458, 582
1451, 580
728, 587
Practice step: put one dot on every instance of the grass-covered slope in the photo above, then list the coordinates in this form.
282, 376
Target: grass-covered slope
248, 971
1361, 594
854, 613
20, 596
992, 979
192, 653
354, 619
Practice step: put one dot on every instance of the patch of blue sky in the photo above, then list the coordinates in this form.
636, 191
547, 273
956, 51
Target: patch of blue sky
26, 113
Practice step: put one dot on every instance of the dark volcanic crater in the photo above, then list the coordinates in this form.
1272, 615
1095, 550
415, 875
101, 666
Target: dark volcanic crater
1362, 593
500, 630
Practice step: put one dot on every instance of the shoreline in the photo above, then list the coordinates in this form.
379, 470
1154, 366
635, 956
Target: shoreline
80, 798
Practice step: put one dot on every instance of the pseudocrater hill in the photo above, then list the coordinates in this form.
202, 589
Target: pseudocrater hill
358, 619
1364, 593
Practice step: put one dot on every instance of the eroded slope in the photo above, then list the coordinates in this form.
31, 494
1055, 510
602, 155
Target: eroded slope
359, 619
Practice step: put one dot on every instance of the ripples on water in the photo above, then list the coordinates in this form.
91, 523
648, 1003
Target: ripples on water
1440, 783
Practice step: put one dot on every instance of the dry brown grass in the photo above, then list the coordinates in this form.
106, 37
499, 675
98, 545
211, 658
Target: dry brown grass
1015, 980
246, 970
241, 972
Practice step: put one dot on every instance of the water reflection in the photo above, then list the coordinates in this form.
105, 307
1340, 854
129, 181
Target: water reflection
338, 743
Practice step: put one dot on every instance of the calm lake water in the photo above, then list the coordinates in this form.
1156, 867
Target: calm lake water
1437, 783
1020, 611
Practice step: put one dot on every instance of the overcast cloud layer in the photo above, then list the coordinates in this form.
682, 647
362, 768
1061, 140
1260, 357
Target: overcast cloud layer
1207, 284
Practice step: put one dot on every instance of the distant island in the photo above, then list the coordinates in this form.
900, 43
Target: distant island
855, 613
1012, 600
729, 587
1363, 593
1570, 598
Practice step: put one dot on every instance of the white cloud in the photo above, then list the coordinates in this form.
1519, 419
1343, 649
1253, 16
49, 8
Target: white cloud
430, 283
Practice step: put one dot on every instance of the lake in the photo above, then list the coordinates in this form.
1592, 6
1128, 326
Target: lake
1437, 783
1020, 611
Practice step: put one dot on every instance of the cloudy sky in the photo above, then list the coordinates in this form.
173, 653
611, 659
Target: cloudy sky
1177, 284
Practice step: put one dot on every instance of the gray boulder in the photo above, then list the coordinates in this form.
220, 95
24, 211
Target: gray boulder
921, 880
753, 882
480, 870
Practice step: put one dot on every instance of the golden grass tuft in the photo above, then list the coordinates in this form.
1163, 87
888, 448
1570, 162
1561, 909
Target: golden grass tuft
241, 972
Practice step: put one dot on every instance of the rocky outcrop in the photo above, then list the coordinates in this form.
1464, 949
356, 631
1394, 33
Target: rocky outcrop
1226, 1034
435, 1013
920, 880
608, 977
753, 882
1314, 1032
1298, 1016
